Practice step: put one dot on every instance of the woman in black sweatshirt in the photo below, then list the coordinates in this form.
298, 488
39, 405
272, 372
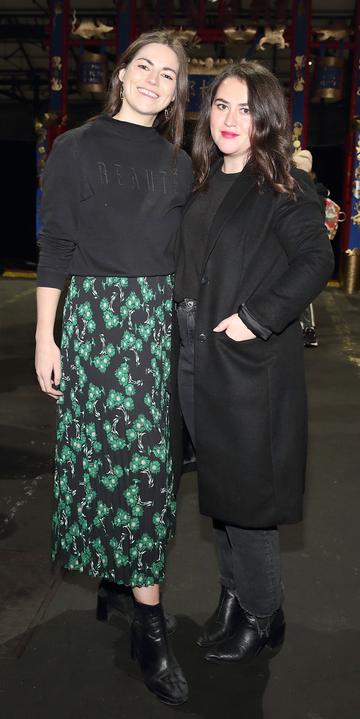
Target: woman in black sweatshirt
113, 191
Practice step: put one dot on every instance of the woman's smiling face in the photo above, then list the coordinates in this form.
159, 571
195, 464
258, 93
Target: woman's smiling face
149, 82
230, 120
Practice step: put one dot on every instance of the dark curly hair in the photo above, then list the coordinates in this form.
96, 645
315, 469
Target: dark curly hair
271, 150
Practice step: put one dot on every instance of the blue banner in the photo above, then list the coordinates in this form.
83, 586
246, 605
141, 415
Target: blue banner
197, 85
299, 75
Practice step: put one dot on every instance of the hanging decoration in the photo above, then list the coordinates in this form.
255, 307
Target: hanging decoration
88, 29
56, 118
56, 75
329, 78
92, 72
299, 72
296, 135
299, 68
273, 36
244, 33
354, 239
333, 32
57, 68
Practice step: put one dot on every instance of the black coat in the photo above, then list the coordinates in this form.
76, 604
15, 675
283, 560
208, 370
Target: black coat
271, 253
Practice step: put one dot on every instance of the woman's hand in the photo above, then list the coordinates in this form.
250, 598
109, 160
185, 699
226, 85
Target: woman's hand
48, 366
234, 328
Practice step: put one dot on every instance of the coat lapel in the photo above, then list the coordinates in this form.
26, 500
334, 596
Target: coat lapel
236, 195
194, 195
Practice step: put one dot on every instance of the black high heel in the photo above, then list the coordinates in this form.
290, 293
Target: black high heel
118, 597
114, 596
149, 645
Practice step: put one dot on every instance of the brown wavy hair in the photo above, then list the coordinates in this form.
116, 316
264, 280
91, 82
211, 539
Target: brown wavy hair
270, 155
172, 127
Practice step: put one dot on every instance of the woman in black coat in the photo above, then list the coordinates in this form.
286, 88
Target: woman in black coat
254, 252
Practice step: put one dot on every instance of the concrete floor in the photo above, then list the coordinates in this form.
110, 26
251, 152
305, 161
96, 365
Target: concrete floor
57, 661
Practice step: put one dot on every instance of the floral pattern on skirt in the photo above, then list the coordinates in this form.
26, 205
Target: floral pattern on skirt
114, 493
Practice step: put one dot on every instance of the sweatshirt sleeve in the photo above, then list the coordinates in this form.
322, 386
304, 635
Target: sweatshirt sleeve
299, 226
59, 212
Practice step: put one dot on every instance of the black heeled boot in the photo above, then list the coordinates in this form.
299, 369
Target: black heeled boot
120, 598
114, 596
149, 645
223, 622
255, 635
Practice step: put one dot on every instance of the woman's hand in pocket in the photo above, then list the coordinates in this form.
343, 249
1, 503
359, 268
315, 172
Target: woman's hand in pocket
235, 328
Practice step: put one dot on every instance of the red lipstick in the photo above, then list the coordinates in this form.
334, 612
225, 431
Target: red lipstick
228, 135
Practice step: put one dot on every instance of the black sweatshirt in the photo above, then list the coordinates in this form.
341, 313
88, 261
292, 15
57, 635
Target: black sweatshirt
111, 206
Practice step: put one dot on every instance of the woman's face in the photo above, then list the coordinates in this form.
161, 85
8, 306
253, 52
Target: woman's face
230, 121
149, 81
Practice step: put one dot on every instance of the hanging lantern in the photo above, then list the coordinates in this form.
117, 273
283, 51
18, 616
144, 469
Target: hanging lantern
92, 72
329, 79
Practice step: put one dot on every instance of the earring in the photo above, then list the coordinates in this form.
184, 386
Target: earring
121, 91
167, 111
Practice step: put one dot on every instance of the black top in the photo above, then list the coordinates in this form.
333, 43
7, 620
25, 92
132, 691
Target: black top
112, 198
195, 232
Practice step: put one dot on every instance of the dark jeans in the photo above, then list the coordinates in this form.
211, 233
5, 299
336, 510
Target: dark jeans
249, 559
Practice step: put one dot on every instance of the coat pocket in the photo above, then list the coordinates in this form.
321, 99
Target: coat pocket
237, 342
252, 350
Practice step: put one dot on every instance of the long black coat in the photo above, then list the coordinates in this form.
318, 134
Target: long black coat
271, 253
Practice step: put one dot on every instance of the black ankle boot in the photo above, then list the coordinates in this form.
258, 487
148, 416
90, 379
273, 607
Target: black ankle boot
149, 645
254, 636
114, 596
121, 599
223, 622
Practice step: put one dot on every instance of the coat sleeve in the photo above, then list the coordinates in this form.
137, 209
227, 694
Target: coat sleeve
187, 170
59, 212
299, 226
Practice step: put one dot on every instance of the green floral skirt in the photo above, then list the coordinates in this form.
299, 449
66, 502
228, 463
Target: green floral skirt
114, 495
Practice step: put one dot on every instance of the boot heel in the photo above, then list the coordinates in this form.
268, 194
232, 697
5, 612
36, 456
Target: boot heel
102, 608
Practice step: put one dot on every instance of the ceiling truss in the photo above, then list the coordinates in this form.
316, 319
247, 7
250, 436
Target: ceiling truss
24, 50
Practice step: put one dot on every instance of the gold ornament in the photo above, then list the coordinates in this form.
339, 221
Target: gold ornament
296, 134
338, 32
89, 29
209, 66
356, 217
244, 33
299, 73
273, 36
